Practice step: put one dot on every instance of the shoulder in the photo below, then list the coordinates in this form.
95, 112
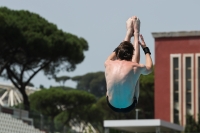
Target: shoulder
143, 69
136, 66
107, 62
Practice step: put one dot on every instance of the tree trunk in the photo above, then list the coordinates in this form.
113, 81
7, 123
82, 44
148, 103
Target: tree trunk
25, 98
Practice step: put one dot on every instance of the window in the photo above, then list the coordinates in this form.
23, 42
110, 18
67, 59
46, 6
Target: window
176, 90
188, 85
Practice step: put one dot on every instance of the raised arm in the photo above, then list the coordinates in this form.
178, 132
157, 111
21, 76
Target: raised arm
112, 56
129, 32
136, 52
147, 68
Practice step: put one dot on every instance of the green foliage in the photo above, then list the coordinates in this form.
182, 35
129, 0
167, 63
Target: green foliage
30, 84
192, 125
27, 33
62, 87
64, 106
94, 83
53, 101
146, 97
62, 79
60, 120
41, 86
29, 44
69, 104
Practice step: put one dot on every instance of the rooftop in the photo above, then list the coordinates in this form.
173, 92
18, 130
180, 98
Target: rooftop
176, 34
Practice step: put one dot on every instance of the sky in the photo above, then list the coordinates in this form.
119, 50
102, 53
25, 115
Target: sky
103, 25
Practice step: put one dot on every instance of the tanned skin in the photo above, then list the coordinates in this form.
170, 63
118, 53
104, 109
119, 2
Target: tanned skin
122, 75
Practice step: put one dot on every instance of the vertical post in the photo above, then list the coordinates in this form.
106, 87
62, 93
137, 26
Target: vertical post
20, 112
65, 129
157, 129
136, 115
106, 130
41, 122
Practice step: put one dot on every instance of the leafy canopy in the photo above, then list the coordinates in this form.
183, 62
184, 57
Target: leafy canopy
29, 44
36, 40
94, 83
64, 105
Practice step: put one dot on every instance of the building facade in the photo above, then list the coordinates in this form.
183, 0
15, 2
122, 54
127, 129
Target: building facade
177, 76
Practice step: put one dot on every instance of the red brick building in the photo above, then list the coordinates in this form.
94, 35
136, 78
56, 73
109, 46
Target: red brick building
177, 75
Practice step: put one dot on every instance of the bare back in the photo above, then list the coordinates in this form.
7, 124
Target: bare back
121, 78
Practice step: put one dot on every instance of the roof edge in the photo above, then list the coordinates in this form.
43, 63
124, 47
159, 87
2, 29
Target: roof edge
175, 34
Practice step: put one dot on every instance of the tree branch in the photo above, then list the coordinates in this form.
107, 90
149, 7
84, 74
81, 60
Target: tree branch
22, 73
13, 75
3, 67
10, 77
26, 83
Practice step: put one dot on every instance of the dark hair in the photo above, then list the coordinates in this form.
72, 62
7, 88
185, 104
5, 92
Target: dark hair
124, 51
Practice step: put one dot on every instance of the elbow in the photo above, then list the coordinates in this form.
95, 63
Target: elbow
105, 63
149, 69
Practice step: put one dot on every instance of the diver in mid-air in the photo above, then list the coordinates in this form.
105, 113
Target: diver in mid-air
122, 69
